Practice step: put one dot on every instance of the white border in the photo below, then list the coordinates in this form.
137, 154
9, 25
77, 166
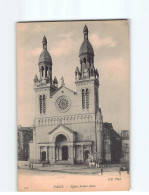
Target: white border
39, 10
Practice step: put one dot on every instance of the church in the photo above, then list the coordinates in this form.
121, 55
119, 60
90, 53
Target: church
68, 125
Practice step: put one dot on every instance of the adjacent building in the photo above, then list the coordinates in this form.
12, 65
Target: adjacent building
24, 136
125, 145
112, 144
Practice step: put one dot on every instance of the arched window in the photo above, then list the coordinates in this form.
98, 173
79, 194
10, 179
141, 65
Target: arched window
46, 70
87, 98
44, 104
83, 99
40, 103
42, 69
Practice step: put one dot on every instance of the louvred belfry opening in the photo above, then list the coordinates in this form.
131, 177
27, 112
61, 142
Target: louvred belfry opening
86, 55
45, 63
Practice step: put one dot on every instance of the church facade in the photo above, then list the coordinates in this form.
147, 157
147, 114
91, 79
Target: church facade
68, 125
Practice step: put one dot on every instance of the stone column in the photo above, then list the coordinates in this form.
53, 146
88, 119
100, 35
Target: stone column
82, 152
71, 155
40, 69
90, 151
47, 156
74, 151
38, 154
68, 152
51, 152
60, 153
56, 153
52, 158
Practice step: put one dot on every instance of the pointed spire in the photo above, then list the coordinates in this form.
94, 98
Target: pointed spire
85, 31
35, 79
77, 69
44, 42
55, 80
62, 81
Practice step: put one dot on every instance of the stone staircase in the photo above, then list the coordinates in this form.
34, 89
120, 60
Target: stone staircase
62, 163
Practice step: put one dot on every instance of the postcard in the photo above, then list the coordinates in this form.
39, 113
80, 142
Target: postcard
73, 105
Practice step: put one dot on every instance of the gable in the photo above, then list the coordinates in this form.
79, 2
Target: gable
63, 89
61, 129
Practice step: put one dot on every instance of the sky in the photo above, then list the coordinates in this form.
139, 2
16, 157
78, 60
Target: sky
110, 41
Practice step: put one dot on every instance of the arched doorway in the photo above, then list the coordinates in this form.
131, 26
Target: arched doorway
86, 155
43, 156
61, 149
64, 152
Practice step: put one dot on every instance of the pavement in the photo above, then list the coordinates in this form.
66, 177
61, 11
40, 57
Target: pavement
72, 169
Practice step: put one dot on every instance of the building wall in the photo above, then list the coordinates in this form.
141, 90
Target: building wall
80, 120
125, 145
75, 99
112, 144
25, 135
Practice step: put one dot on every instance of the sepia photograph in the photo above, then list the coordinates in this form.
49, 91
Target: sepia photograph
73, 107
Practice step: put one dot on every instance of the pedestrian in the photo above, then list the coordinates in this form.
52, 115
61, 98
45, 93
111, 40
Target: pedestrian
96, 165
120, 170
89, 164
43, 163
101, 171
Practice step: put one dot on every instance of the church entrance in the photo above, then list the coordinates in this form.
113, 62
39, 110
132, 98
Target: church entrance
61, 149
65, 153
43, 156
86, 155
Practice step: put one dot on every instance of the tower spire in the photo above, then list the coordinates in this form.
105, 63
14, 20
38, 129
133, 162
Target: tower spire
44, 42
45, 64
86, 55
62, 81
85, 31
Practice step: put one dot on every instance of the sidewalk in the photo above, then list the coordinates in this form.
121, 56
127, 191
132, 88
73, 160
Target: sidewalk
73, 169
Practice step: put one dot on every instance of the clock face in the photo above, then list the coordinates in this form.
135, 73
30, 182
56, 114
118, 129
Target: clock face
63, 103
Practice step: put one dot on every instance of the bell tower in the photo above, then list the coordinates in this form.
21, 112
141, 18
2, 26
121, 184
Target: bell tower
45, 69
87, 77
44, 86
87, 85
45, 64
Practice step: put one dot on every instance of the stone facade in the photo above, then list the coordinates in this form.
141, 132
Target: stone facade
125, 145
24, 136
68, 124
112, 144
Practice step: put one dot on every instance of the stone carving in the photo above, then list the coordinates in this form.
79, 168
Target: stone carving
87, 118
63, 103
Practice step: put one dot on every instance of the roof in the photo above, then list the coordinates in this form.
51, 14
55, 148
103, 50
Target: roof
45, 57
24, 128
86, 47
68, 129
